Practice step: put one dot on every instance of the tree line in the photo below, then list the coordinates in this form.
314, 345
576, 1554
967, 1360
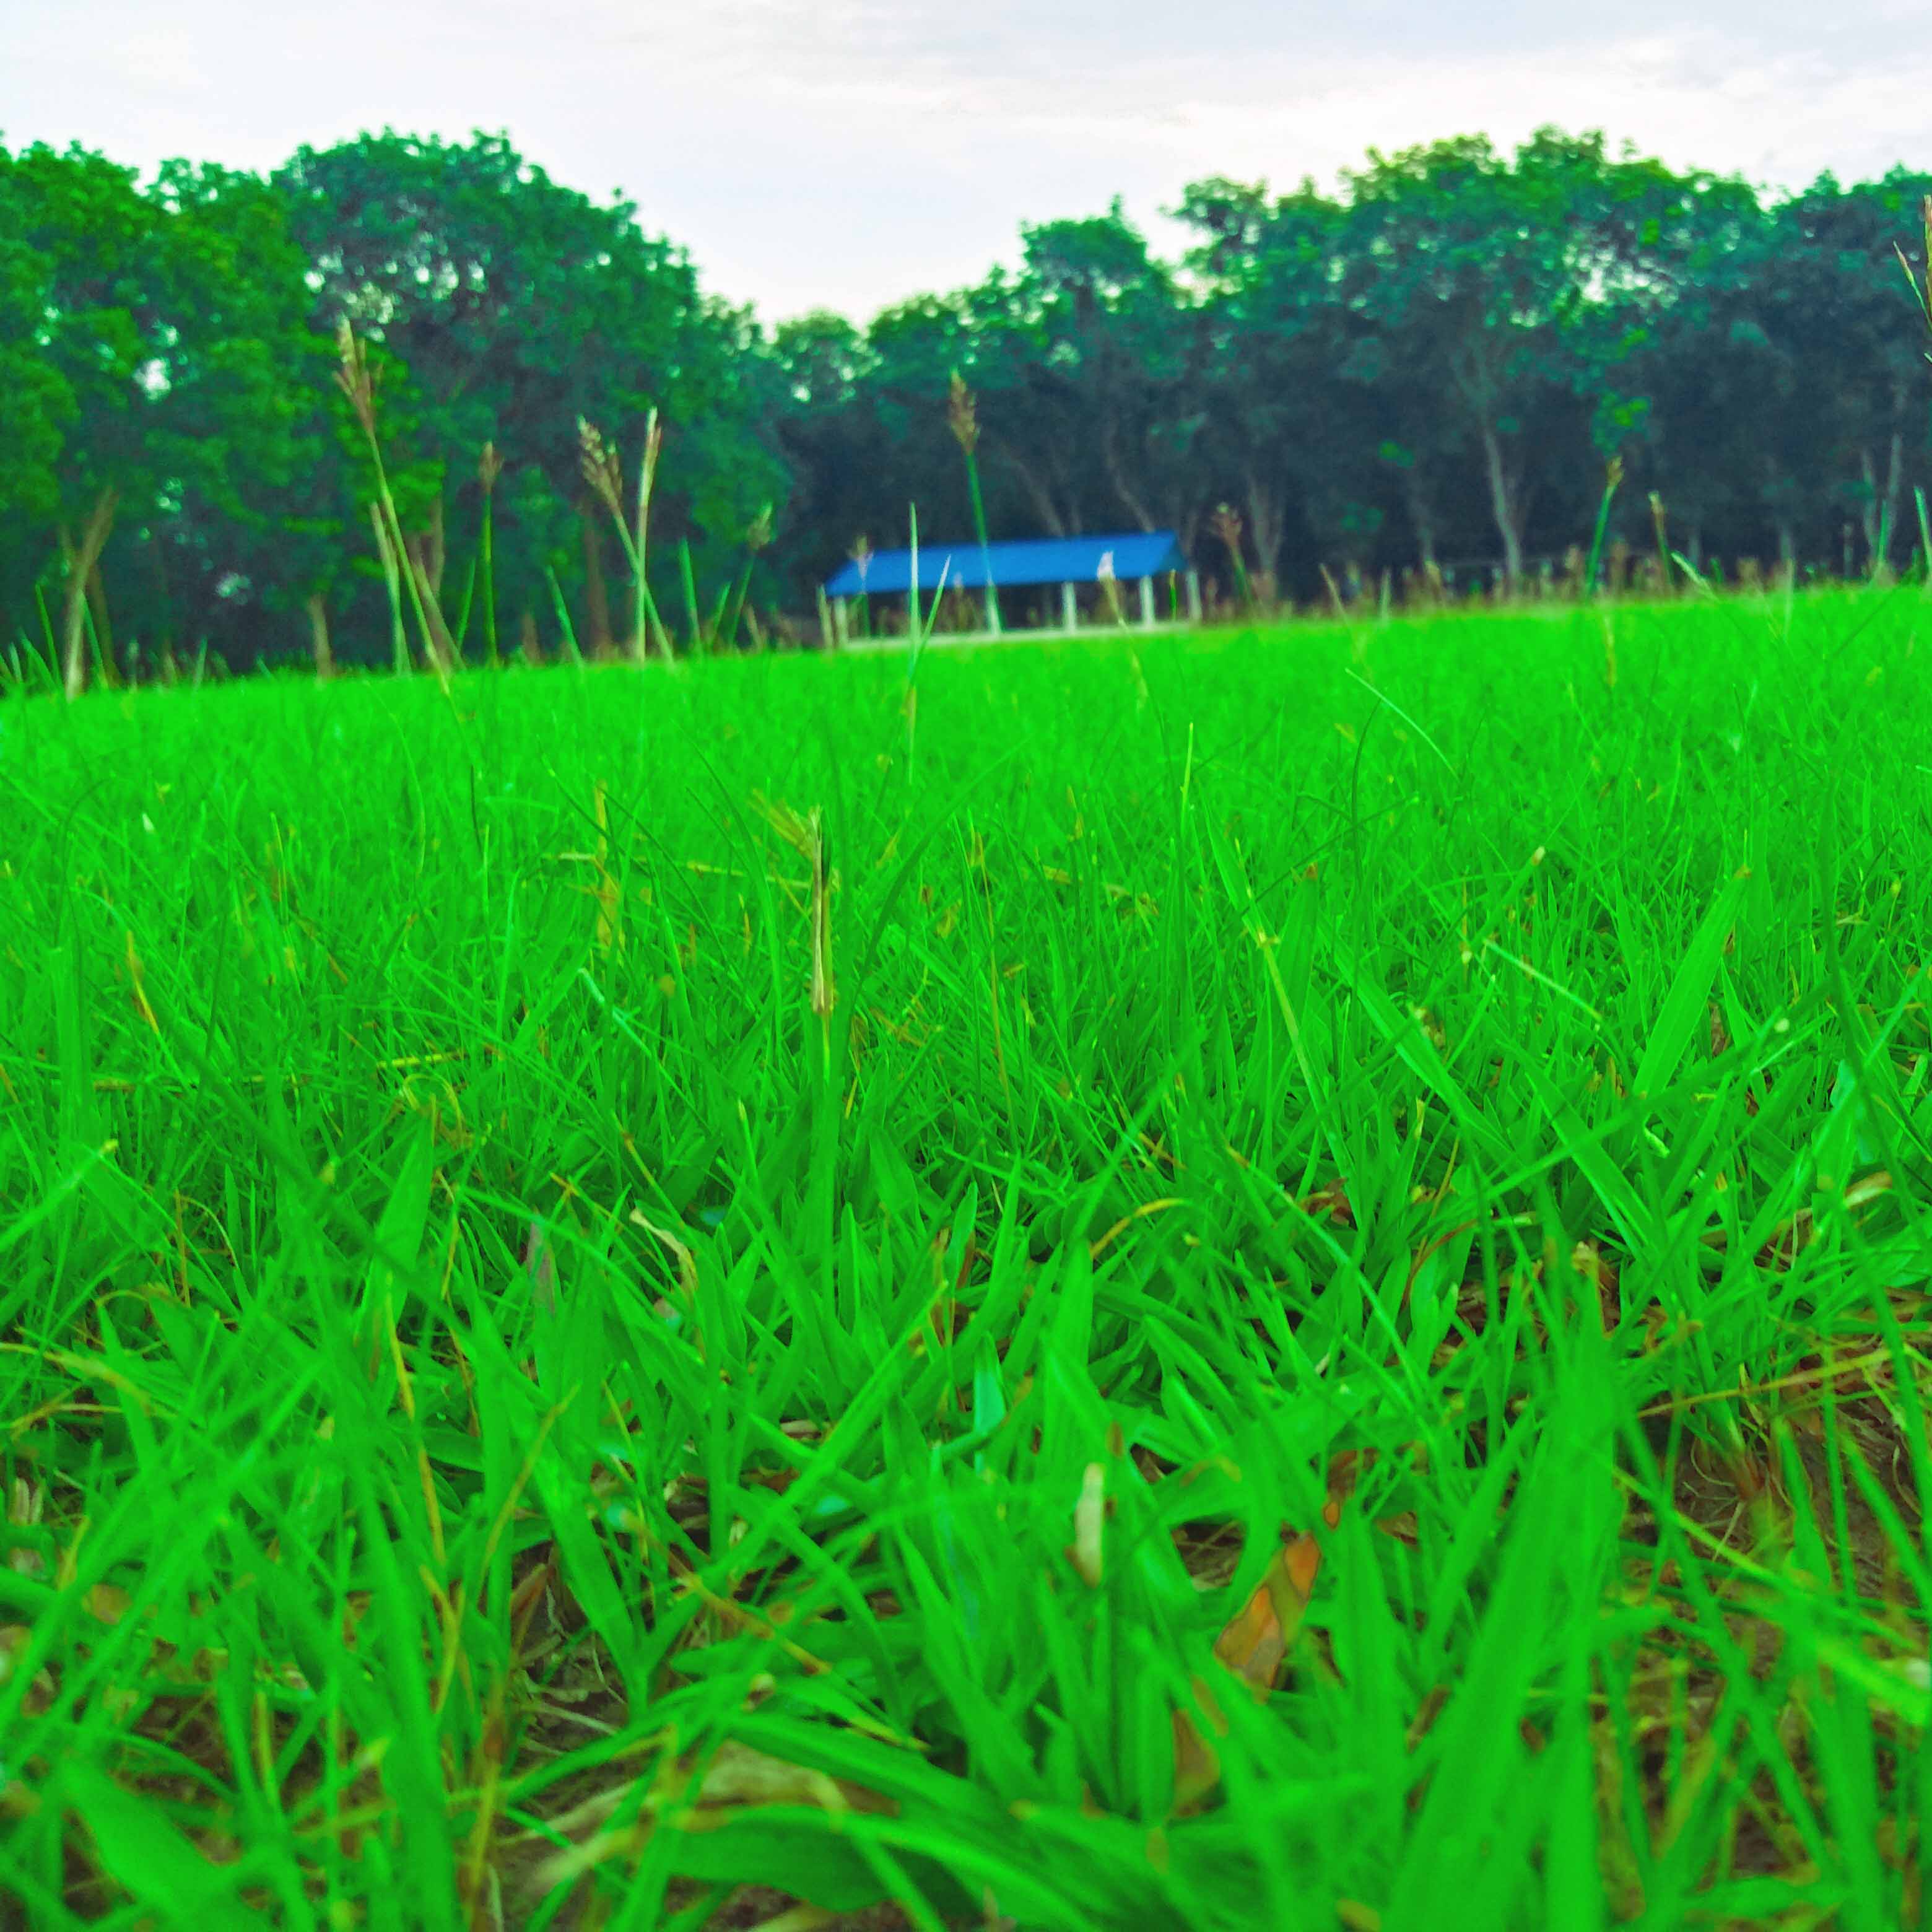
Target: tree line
1431, 374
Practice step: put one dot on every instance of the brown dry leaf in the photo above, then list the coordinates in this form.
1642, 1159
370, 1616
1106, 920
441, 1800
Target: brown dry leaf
1332, 1201
1586, 1258
1253, 1646
1789, 1240
739, 1775
14, 1639
107, 1603
798, 1919
1197, 1766
1794, 1234
1720, 1034
1868, 1189
687, 1262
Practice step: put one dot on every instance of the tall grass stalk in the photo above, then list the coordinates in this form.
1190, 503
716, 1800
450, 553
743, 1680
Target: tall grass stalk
1225, 523
463, 609
47, 631
603, 470
1613, 475
962, 418
385, 552
646, 611
688, 578
489, 467
919, 631
561, 604
757, 534
354, 379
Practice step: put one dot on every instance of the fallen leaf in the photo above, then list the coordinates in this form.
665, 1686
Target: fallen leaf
1253, 1645
687, 1262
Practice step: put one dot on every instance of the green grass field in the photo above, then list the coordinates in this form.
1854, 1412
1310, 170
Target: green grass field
1260, 1281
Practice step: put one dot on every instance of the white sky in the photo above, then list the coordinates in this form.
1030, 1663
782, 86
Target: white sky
845, 154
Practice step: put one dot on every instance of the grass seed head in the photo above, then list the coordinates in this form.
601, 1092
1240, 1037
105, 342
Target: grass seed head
353, 378
960, 415
601, 468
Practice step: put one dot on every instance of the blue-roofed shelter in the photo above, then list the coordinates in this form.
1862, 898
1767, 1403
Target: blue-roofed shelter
1135, 557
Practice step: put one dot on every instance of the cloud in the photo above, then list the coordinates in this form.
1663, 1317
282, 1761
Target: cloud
847, 153
159, 60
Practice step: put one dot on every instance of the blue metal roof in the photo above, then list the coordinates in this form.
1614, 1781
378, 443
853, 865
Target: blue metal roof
1049, 560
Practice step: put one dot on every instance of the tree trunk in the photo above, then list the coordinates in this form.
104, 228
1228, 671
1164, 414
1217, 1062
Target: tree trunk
1116, 474
596, 594
80, 568
1422, 521
1187, 530
1036, 492
1504, 505
1268, 528
1894, 476
317, 608
1868, 512
433, 546
528, 643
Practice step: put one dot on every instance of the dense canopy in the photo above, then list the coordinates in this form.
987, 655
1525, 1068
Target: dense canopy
1428, 369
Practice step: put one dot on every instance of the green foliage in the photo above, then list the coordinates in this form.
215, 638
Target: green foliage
167, 353
1429, 366
613, 1252
36, 401
518, 307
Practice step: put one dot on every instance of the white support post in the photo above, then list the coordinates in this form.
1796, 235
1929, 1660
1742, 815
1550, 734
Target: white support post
842, 623
1194, 596
992, 611
1146, 603
1070, 609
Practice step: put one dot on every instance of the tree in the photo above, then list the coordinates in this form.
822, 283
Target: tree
1833, 303
37, 404
1503, 287
831, 443
1285, 431
167, 324
1437, 358
1080, 362
520, 307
